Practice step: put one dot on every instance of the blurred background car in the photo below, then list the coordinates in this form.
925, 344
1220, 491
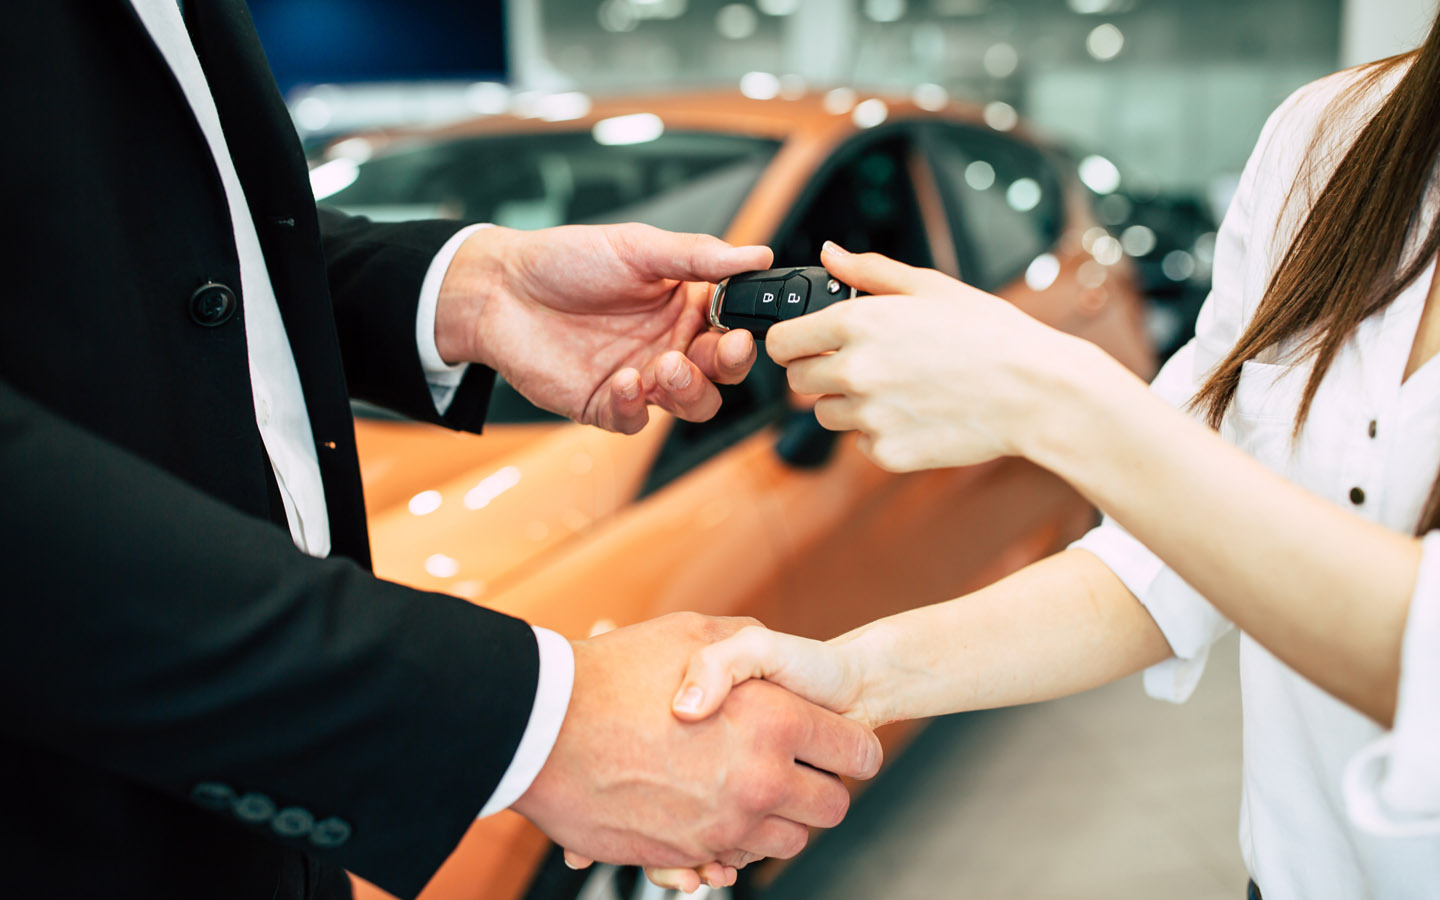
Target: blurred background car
759, 512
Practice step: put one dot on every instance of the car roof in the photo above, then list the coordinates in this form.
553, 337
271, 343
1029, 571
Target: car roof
717, 110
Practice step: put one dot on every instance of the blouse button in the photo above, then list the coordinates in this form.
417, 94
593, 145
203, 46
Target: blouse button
1373, 427
1357, 496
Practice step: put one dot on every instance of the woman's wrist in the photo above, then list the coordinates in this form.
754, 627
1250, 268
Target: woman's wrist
868, 656
1078, 395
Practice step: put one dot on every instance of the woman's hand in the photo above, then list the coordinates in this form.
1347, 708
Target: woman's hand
931, 371
827, 674
597, 322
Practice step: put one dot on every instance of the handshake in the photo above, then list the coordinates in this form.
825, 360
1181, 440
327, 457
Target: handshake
697, 783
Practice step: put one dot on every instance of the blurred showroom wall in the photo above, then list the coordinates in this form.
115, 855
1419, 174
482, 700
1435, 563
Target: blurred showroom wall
1175, 91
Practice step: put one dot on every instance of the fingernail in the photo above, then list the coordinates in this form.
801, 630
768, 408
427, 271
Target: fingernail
630, 391
689, 699
679, 377
569, 864
834, 248
874, 756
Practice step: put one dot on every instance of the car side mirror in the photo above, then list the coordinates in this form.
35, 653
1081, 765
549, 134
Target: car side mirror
804, 443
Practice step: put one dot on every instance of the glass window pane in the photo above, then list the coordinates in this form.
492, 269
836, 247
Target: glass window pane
1006, 196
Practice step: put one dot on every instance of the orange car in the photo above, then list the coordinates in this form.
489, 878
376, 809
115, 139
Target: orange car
758, 512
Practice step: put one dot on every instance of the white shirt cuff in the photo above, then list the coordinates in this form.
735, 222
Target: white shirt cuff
442, 377
1188, 621
552, 699
1392, 786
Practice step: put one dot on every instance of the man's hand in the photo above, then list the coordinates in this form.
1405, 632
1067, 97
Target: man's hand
629, 783
596, 322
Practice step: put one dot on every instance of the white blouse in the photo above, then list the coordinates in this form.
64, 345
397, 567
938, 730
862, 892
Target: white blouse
1334, 806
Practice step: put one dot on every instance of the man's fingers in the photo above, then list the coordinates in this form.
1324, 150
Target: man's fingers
681, 388
839, 745
624, 409
718, 875
873, 273
714, 874
685, 880
658, 254
576, 861
815, 798
739, 859
724, 357
775, 837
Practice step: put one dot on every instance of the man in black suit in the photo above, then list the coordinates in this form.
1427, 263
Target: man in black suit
193, 706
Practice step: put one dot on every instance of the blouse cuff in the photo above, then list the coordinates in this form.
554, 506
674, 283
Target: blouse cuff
1190, 624
1392, 786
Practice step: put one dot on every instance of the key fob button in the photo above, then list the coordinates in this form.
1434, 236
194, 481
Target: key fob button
739, 299
767, 299
756, 300
794, 297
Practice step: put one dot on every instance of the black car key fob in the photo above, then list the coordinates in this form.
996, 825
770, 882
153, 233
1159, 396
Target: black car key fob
756, 300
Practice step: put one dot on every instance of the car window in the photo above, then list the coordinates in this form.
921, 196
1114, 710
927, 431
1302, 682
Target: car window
1005, 197
863, 201
682, 181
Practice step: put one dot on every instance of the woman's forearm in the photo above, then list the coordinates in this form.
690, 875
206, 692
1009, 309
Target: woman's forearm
1324, 590
1060, 626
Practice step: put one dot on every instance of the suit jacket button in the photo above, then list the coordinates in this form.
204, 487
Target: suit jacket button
213, 304
293, 822
254, 809
330, 833
213, 795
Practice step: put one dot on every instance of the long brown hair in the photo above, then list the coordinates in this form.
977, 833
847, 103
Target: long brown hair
1348, 259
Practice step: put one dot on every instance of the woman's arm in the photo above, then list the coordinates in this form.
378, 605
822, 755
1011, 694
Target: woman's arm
947, 375
1060, 626
1324, 590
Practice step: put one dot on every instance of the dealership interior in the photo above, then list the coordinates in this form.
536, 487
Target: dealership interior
1021, 144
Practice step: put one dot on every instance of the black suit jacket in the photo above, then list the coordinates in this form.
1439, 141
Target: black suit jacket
191, 707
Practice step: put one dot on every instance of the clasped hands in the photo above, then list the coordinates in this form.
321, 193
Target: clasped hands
752, 670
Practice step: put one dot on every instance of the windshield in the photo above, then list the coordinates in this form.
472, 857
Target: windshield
681, 181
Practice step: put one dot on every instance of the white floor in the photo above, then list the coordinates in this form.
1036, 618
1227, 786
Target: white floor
1105, 795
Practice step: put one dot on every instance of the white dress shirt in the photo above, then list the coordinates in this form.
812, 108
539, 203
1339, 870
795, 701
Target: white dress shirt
280, 410
1334, 806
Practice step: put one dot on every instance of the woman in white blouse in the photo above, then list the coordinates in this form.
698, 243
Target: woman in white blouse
1308, 521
